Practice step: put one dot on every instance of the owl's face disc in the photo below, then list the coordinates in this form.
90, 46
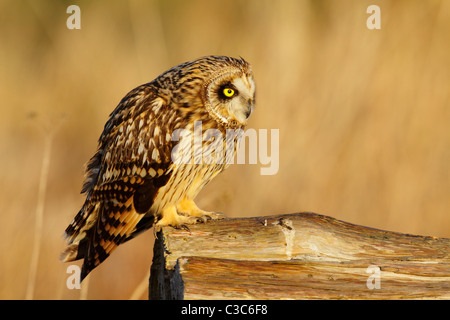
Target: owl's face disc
230, 96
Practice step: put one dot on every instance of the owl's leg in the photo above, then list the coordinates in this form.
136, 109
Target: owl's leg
170, 217
187, 207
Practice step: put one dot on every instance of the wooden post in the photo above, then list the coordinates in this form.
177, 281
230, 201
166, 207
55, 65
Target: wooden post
297, 256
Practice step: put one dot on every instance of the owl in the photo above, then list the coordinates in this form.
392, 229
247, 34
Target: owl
136, 180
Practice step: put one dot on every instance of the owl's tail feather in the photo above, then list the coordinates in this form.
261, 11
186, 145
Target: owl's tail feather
70, 253
79, 239
74, 251
78, 251
93, 234
79, 232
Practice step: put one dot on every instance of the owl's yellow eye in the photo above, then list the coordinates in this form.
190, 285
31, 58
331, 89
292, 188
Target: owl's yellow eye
228, 92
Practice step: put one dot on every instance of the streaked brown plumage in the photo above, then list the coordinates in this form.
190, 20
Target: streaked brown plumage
132, 182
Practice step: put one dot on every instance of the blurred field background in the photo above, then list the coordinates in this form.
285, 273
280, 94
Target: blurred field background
364, 116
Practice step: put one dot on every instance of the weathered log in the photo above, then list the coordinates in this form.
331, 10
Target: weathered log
297, 256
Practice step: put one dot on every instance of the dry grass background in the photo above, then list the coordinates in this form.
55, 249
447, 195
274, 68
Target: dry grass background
363, 115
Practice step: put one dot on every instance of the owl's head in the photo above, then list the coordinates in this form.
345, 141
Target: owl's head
229, 93
224, 85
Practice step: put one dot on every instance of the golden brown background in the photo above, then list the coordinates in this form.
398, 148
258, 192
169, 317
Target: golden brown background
363, 116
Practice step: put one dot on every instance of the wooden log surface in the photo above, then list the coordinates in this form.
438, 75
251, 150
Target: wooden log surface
297, 256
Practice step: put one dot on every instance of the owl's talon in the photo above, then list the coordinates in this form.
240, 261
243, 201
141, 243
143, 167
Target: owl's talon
180, 226
185, 227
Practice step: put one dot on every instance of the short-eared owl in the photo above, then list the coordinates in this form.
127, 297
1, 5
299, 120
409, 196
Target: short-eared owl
133, 181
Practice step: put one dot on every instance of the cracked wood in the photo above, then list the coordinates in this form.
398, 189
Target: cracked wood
296, 256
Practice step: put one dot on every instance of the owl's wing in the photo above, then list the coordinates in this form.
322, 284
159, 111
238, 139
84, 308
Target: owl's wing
131, 164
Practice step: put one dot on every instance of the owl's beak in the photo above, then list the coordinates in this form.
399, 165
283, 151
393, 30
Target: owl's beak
250, 107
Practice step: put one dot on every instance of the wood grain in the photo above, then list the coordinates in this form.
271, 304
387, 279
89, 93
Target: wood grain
297, 256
